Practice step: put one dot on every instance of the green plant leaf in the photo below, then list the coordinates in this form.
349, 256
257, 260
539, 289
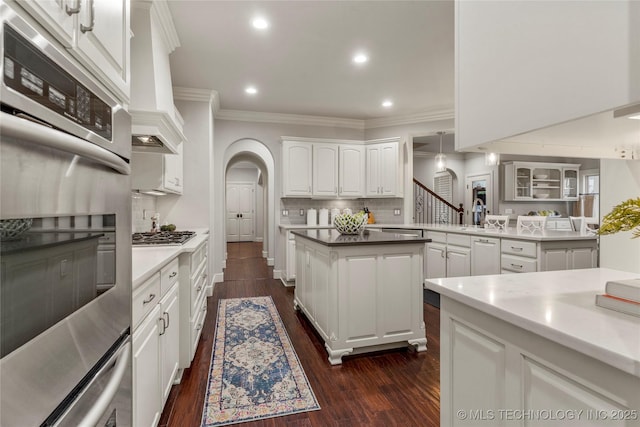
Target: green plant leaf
623, 217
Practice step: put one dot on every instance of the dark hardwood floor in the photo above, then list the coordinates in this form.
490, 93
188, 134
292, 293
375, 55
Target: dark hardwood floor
392, 388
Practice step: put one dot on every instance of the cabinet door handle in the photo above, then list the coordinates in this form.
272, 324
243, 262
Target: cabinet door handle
173, 274
92, 16
164, 325
199, 288
72, 10
204, 308
168, 319
442, 253
147, 301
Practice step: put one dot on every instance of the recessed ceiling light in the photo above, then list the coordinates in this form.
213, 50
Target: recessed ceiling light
260, 23
251, 90
386, 103
360, 58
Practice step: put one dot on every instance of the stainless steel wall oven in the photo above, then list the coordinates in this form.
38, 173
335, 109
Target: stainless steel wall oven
65, 237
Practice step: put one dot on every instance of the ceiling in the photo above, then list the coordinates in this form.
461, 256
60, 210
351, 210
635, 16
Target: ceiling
302, 64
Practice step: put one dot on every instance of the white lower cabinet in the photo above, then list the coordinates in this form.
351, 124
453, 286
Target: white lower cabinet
146, 369
169, 339
156, 312
485, 256
469, 255
493, 371
193, 301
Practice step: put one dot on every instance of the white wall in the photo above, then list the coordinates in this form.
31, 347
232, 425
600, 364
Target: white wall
619, 181
193, 208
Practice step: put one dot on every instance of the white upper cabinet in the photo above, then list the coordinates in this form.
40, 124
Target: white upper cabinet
351, 171
95, 32
540, 181
158, 172
384, 174
296, 168
325, 170
540, 70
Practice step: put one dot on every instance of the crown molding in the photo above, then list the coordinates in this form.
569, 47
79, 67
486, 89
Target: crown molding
292, 119
197, 95
409, 119
169, 33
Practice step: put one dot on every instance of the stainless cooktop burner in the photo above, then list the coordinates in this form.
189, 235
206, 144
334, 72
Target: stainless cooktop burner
174, 238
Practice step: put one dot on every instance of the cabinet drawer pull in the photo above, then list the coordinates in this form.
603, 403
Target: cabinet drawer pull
484, 240
173, 274
516, 266
199, 326
204, 307
199, 288
442, 253
147, 301
516, 248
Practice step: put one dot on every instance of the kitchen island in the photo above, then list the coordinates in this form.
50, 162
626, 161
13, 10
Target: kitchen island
536, 345
361, 292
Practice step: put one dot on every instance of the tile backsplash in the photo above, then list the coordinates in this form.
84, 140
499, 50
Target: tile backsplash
382, 209
143, 207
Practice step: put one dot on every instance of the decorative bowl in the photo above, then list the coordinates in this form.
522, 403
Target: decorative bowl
540, 176
541, 196
12, 228
349, 224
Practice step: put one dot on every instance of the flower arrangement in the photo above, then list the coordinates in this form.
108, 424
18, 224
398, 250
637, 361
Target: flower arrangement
623, 217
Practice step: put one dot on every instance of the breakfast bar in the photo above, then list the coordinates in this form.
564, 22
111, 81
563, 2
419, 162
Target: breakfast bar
533, 342
361, 292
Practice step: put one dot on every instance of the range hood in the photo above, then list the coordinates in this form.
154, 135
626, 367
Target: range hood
155, 126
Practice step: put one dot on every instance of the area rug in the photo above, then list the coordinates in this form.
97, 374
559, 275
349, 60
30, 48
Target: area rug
254, 372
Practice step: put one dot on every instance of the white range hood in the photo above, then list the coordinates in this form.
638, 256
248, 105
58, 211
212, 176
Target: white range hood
155, 126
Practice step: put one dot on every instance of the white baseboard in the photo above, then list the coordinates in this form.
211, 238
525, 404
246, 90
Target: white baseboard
210, 290
258, 239
265, 254
224, 264
271, 262
218, 277
290, 284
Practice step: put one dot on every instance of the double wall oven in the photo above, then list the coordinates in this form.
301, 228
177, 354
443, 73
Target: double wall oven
65, 238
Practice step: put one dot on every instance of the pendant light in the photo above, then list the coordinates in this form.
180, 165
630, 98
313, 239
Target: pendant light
441, 159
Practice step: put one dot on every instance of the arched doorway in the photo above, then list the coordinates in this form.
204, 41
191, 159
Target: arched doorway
255, 152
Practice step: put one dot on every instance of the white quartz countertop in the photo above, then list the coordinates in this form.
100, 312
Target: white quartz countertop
145, 260
557, 305
509, 233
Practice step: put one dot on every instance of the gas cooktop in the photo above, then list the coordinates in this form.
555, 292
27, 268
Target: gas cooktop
171, 238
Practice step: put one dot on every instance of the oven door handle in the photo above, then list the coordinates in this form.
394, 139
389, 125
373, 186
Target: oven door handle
105, 399
40, 134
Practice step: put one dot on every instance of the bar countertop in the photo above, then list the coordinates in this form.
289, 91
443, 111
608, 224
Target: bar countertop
334, 238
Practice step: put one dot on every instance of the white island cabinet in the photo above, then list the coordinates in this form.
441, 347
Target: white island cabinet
361, 292
535, 345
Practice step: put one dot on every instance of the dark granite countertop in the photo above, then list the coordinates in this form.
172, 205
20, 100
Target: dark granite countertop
38, 240
334, 238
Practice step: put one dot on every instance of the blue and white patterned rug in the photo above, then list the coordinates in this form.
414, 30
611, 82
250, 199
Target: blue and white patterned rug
254, 372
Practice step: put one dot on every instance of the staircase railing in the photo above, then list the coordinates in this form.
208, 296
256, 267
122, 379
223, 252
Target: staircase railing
428, 207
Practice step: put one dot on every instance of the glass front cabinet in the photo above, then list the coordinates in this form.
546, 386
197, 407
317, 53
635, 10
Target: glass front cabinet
540, 181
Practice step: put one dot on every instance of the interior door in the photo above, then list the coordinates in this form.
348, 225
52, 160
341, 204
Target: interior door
240, 212
479, 198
